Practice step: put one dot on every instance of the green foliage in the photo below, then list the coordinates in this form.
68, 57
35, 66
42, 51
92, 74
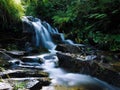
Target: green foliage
79, 19
97, 16
109, 40
61, 18
11, 9
98, 19
30, 6
11, 14
19, 85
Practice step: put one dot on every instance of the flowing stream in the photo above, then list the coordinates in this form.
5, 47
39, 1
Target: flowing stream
61, 79
64, 80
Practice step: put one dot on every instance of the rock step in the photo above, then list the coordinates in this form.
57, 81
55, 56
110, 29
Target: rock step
22, 73
5, 86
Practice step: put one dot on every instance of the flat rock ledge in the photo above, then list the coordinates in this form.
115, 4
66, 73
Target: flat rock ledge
5, 86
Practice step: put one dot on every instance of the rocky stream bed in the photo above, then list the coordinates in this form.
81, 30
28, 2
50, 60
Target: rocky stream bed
21, 70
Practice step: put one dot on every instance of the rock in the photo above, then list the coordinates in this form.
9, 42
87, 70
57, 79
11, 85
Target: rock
5, 56
0, 46
106, 73
34, 85
4, 59
27, 26
29, 83
101, 70
16, 54
74, 64
38, 84
70, 48
5, 86
15, 62
32, 50
22, 73
32, 59
57, 38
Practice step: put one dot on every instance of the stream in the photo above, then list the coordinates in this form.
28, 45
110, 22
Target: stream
43, 35
64, 80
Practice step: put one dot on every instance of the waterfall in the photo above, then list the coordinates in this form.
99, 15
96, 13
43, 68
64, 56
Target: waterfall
42, 32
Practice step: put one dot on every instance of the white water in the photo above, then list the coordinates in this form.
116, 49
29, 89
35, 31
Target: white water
42, 33
63, 78
58, 75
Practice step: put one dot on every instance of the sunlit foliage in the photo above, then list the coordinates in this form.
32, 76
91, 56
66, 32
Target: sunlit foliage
11, 12
11, 9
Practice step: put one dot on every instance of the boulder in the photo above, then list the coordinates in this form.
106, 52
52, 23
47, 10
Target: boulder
74, 63
78, 48
37, 85
57, 38
95, 68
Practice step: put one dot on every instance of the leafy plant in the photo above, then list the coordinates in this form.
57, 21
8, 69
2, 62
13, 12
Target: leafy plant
19, 85
98, 19
12, 9
11, 14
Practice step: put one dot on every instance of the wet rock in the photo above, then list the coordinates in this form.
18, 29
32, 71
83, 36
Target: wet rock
4, 59
74, 64
50, 57
5, 86
70, 48
22, 73
38, 84
106, 73
96, 68
31, 66
31, 50
0, 46
16, 54
5, 56
57, 38
15, 62
32, 59
28, 83
34, 85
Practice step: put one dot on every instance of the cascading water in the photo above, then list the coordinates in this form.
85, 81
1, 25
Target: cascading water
42, 36
42, 32
63, 80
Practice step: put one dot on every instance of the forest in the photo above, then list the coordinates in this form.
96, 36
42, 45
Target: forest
93, 24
